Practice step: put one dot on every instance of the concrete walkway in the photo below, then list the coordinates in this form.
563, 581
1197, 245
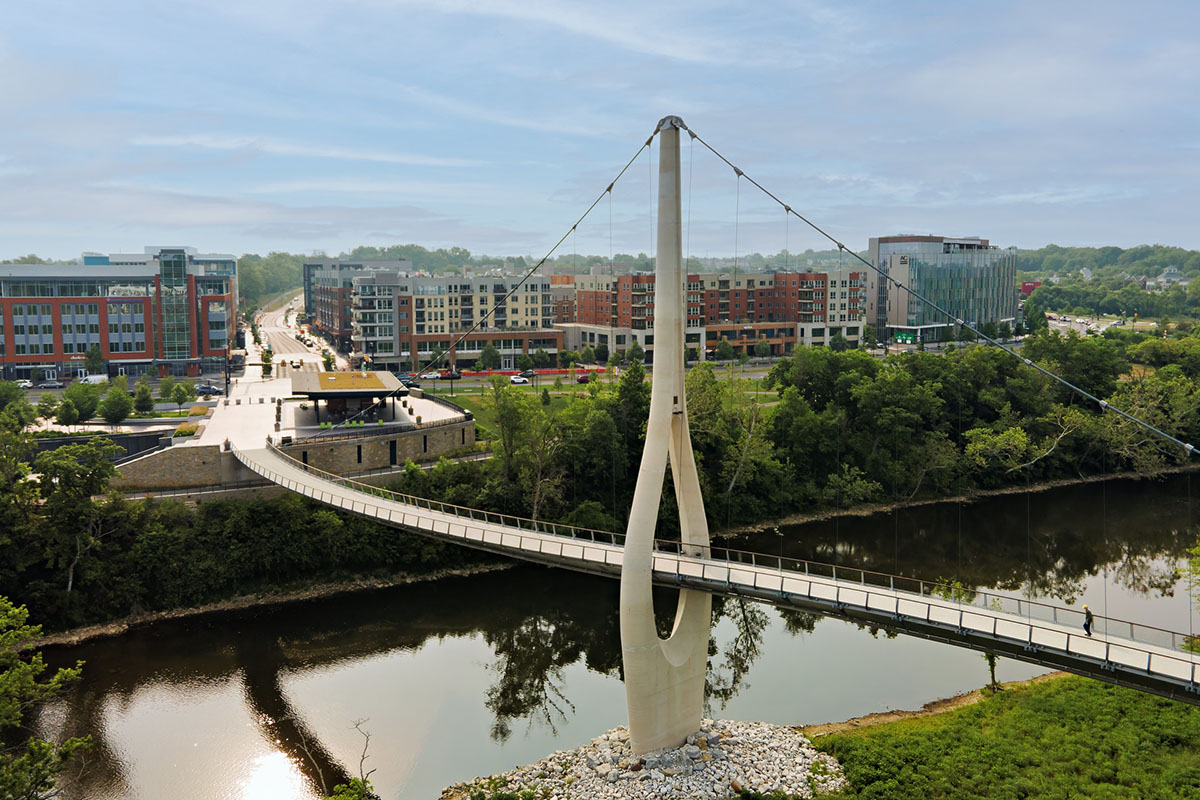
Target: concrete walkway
1153, 666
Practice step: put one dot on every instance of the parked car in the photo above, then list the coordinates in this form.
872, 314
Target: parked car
528, 373
410, 383
25, 383
207, 388
517, 379
450, 375
51, 384
583, 377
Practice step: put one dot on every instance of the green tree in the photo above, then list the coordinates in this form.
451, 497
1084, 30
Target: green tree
357, 789
69, 477
724, 350
762, 348
587, 355
166, 389
28, 764
47, 406
869, 339
328, 361
117, 404
267, 357
85, 396
93, 360
143, 400
524, 362
635, 353
67, 413
545, 397
489, 357
838, 343
180, 395
541, 359
601, 353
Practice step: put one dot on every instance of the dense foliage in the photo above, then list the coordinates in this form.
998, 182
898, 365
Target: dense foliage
260, 277
1105, 262
1071, 737
74, 560
1120, 297
28, 764
846, 428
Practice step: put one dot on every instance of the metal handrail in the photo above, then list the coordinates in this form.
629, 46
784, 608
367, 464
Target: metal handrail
787, 567
372, 429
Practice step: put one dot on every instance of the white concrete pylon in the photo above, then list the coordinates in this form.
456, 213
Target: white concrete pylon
664, 678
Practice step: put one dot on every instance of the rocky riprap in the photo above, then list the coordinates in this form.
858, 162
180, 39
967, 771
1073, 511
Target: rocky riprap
717, 762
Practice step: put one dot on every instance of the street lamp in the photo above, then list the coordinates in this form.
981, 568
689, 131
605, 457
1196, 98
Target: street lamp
227, 369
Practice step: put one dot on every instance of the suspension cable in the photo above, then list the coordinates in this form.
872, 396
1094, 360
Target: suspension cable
1103, 404
504, 301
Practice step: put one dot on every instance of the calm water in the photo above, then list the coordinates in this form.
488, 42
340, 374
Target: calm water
472, 676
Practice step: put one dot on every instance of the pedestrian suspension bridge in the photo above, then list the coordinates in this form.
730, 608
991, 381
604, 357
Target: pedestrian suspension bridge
664, 678
1121, 652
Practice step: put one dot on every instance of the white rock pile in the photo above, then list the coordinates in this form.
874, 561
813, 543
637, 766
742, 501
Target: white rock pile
716, 763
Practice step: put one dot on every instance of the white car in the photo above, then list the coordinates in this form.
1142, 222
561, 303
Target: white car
518, 379
25, 384
430, 376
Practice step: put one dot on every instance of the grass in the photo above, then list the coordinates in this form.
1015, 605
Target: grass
485, 415
1065, 738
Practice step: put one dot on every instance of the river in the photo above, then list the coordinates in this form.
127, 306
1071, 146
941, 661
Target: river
473, 675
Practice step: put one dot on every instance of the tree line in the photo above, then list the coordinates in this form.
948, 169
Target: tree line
842, 428
1115, 296
1108, 262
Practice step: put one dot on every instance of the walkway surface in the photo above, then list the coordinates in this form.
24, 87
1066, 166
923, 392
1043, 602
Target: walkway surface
1150, 659
250, 410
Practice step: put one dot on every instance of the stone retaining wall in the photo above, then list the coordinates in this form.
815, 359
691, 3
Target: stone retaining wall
359, 453
207, 465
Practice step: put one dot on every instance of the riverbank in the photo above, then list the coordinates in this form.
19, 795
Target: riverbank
1061, 737
930, 709
883, 508
108, 630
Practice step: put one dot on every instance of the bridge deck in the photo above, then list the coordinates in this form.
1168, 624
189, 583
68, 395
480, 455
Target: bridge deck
1159, 667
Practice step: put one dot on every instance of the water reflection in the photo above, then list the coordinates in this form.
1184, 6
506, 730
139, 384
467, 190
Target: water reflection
1044, 545
539, 625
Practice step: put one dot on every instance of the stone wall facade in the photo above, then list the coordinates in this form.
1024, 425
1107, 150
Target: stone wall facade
181, 467
360, 453
200, 465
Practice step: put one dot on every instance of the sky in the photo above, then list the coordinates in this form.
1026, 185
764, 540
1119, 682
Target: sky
250, 126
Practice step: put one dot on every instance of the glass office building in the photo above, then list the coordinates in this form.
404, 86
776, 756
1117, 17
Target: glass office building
967, 277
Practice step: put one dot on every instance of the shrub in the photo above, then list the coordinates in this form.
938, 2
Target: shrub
186, 429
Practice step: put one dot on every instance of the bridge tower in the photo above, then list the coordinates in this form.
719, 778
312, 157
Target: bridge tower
664, 678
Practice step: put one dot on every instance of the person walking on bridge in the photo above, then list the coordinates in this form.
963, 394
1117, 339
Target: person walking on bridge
1088, 618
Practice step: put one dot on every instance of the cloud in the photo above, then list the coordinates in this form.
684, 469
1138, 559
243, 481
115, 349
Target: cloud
275, 147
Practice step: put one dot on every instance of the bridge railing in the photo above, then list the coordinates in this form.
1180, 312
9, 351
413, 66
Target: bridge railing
1023, 608
475, 514
1029, 609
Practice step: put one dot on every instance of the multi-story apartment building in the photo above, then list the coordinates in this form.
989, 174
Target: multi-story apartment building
968, 277
783, 308
327, 287
169, 310
404, 321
